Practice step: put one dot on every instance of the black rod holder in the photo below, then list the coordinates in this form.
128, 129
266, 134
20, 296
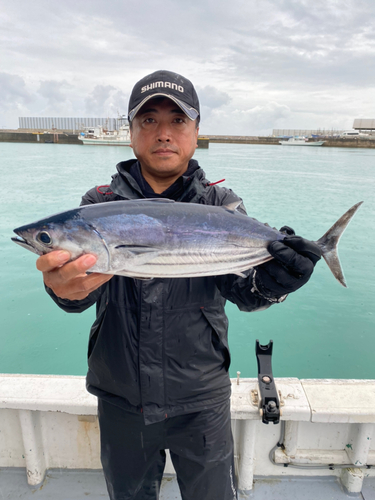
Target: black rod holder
268, 397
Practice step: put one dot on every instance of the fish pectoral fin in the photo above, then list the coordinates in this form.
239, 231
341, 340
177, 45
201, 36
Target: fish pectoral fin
138, 255
135, 249
233, 207
241, 275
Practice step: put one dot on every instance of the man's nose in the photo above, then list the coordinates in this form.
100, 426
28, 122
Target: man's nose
164, 132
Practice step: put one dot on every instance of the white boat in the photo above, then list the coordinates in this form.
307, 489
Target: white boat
100, 137
322, 448
300, 141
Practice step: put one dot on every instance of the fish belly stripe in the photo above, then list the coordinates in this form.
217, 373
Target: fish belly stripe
184, 270
167, 259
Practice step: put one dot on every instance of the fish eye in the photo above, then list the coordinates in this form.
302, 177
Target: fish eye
44, 238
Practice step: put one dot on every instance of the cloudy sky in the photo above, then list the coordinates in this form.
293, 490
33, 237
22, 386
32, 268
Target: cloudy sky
256, 64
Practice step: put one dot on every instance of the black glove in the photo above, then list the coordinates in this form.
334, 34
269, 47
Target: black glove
292, 266
287, 230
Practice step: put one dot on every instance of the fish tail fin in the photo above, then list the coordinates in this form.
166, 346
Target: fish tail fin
329, 242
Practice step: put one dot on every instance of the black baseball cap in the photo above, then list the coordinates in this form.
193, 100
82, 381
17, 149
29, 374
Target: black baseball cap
167, 84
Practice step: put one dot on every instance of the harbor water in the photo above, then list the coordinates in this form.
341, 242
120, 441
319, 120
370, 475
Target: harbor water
321, 331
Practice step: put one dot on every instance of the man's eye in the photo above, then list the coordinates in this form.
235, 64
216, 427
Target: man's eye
179, 120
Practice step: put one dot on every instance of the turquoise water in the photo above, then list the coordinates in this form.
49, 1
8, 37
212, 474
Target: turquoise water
321, 331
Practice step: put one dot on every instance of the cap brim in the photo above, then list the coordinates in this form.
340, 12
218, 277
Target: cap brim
190, 112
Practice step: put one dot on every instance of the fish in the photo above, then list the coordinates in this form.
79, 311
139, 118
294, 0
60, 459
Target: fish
162, 238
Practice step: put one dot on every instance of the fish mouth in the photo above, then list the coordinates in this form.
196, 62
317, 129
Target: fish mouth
23, 243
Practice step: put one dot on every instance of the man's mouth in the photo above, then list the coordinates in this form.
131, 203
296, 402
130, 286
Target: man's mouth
164, 151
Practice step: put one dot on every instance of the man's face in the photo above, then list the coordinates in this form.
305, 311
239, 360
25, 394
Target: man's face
163, 139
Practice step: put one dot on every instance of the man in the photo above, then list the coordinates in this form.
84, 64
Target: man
158, 353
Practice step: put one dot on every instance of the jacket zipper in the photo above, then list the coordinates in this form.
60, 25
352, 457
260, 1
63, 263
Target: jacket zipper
163, 347
139, 341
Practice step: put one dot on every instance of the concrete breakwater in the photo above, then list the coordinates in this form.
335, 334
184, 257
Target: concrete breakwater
41, 138
333, 142
58, 137
243, 139
61, 137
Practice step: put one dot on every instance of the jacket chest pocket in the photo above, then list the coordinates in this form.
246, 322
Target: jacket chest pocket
197, 339
219, 325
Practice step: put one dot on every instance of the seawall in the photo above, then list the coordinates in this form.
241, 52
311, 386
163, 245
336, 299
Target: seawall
41, 138
61, 137
338, 142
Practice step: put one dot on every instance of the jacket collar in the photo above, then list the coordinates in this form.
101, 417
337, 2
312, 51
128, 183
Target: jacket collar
193, 182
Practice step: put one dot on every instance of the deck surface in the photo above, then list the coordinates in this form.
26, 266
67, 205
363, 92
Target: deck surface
90, 485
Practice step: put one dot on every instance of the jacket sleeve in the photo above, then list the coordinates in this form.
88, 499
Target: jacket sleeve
75, 306
94, 195
239, 291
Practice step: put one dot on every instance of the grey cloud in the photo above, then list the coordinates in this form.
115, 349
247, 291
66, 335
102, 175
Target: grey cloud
211, 97
320, 44
106, 100
260, 118
272, 39
13, 91
55, 97
263, 116
251, 121
54, 90
280, 48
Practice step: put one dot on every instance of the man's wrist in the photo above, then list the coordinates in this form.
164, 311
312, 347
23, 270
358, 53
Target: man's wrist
255, 289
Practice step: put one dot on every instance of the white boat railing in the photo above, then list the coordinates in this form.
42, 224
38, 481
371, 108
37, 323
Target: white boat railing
49, 422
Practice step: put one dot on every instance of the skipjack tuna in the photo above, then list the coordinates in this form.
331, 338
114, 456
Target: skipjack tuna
166, 239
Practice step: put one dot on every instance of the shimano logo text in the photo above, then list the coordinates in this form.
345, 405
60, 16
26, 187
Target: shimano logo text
165, 85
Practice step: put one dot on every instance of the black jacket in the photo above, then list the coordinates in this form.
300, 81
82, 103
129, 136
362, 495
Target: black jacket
160, 346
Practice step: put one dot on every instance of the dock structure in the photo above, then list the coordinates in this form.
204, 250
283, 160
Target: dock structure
59, 137
67, 137
49, 428
333, 142
364, 124
39, 137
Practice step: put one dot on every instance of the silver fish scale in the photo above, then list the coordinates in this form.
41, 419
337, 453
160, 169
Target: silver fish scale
167, 239
145, 238
201, 262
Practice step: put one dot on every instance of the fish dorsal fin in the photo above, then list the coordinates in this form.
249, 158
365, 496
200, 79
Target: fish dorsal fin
158, 200
137, 256
232, 207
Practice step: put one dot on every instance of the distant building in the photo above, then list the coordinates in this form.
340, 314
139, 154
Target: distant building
306, 133
364, 124
72, 124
